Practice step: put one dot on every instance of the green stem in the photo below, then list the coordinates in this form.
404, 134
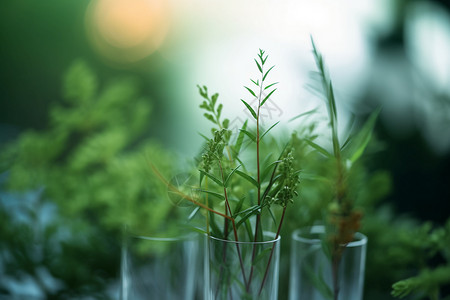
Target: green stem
271, 252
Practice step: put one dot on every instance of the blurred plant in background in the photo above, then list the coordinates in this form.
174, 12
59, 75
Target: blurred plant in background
92, 162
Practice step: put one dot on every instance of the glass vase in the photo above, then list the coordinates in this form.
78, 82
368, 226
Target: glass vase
159, 268
311, 275
242, 270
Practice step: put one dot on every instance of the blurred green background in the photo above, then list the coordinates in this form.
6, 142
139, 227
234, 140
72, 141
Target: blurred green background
77, 129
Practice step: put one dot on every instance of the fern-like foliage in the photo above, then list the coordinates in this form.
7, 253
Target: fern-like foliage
429, 281
93, 159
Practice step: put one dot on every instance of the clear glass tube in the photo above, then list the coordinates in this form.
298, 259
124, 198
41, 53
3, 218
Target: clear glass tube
242, 270
159, 268
311, 274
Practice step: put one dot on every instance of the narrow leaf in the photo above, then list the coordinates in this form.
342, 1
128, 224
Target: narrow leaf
213, 178
240, 139
250, 91
194, 213
229, 175
269, 130
268, 168
255, 82
219, 110
259, 67
272, 215
309, 112
214, 194
248, 229
318, 148
265, 75
210, 117
214, 99
267, 97
239, 206
248, 178
249, 134
250, 109
248, 213
357, 145
270, 85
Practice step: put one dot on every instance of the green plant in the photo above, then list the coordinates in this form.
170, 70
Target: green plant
245, 199
342, 219
91, 162
426, 243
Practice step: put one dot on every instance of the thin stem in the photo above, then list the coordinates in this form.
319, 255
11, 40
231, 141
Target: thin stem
271, 252
335, 270
178, 192
258, 216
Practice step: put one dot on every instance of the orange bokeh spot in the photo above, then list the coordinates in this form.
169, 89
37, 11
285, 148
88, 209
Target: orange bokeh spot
127, 30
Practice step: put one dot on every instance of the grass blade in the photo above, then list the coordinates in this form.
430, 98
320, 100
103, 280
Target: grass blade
250, 109
248, 178
268, 130
250, 91
213, 178
318, 148
267, 97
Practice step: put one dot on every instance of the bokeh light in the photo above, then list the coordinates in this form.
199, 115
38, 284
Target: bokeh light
126, 31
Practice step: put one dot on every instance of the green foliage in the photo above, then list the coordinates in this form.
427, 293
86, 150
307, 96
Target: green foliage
221, 170
423, 244
94, 158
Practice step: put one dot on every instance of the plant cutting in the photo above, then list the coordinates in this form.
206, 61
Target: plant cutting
244, 188
322, 262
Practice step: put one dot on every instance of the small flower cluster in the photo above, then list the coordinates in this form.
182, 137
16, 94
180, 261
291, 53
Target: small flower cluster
214, 150
290, 180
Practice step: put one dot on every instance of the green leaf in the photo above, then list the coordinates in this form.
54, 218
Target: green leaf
214, 99
219, 110
250, 91
250, 109
255, 82
203, 91
213, 178
318, 148
273, 216
309, 112
270, 85
314, 177
205, 105
239, 206
249, 134
196, 229
225, 123
269, 130
248, 213
248, 229
210, 117
193, 213
240, 139
248, 178
259, 67
204, 136
229, 176
356, 146
265, 75
267, 169
267, 97
214, 194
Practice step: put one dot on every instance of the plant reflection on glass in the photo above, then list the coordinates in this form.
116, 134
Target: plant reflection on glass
227, 188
